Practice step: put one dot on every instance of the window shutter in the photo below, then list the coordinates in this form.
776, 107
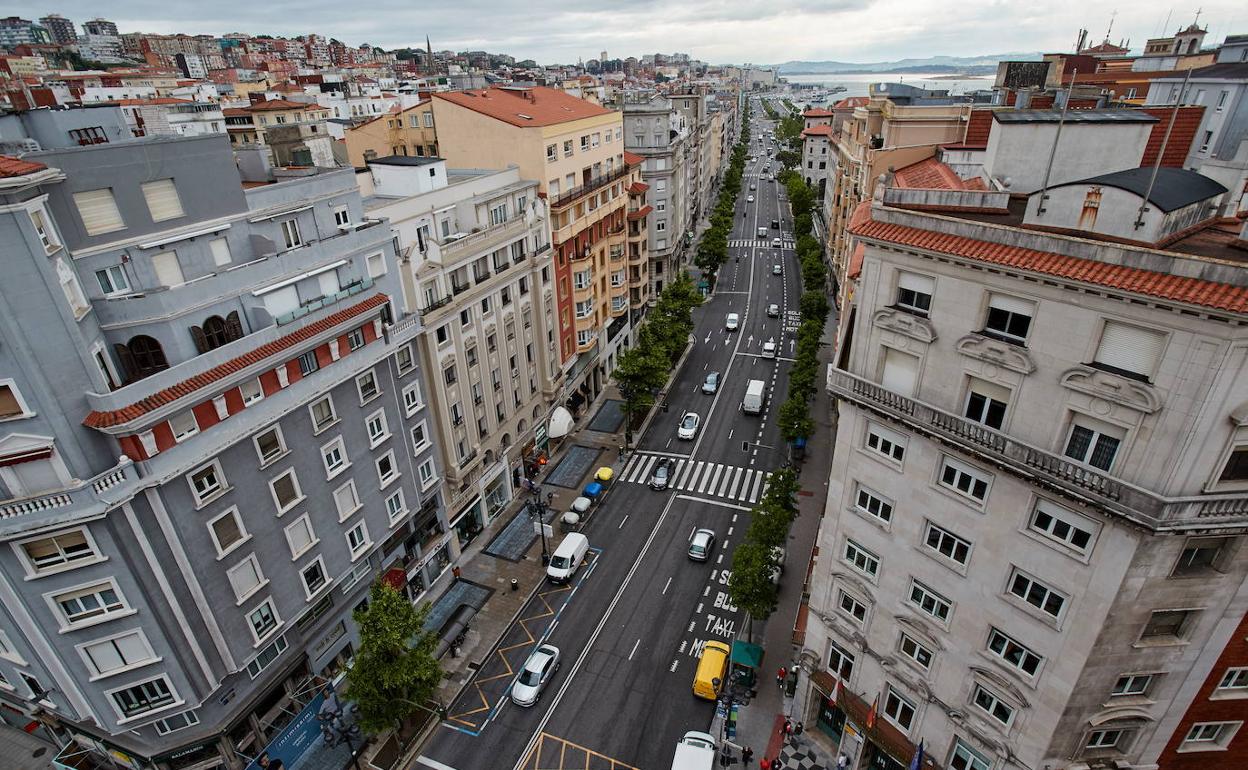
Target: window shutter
200, 339
919, 283
105, 656
233, 326
991, 390
162, 200
1011, 305
220, 251
132, 648
901, 372
168, 271
98, 211
1130, 348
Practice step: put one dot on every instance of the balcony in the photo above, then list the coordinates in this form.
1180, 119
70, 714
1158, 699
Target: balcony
88, 497
1041, 467
616, 253
563, 199
482, 242
312, 306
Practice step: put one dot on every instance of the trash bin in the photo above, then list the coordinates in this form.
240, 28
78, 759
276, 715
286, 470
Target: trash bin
569, 521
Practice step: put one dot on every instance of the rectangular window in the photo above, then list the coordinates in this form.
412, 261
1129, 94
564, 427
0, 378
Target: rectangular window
1091, 444
1132, 684
552, 153
992, 705
1008, 319
246, 577
966, 758
947, 544
206, 482
162, 200
220, 248
861, 559
915, 651
1209, 736
113, 280
95, 601
313, 577
346, 500
266, 656
227, 531
885, 442
144, 698
183, 426
334, 455
376, 264
286, 492
251, 391
411, 399
403, 359
1056, 523
47, 235
929, 601
986, 403
1200, 556
308, 363
1167, 625
964, 480
426, 473
850, 606
342, 216
1037, 594
1234, 680
300, 536
53, 553
387, 470
323, 414
366, 384
1236, 468
914, 293
840, 662
290, 233
263, 620
378, 431
420, 437
1129, 350
395, 506
119, 653
176, 722
1013, 652
874, 505
98, 211
11, 403
357, 540
355, 341
898, 709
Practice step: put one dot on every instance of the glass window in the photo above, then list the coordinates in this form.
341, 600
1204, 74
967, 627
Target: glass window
964, 480
1067, 528
1013, 652
47, 554
929, 601
313, 576
861, 559
286, 493
947, 544
144, 698
991, 704
898, 709
270, 444
1037, 594
1008, 319
915, 651
888, 443
227, 531
873, 505
95, 601
1092, 445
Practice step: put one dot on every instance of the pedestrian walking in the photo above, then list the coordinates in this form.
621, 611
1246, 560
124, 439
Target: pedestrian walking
455, 572
747, 756
780, 677
798, 728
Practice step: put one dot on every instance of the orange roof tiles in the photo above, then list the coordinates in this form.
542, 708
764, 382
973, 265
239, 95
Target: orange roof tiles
156, 101
817, 112
851, 102
638, 187
11, 167
977, 128
1177, 288
281, 104
536, 106
818, 131
854, 269
186, 387
640, 213
1186, 124
633, 159
931, 174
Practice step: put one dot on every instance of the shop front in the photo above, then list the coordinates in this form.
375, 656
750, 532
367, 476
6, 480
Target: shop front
868, 740
469, 522
497, 492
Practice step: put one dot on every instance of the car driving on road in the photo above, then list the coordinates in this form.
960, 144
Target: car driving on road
538, 670
711, 383
773, 310
661, 476
688, 426
701, 543
769, 349
732, 321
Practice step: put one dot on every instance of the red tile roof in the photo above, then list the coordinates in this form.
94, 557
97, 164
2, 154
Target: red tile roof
186, 387
851, 102
633, 159
281, 104
854, 269
1186, 124
156, 101
977, 128
536, 106
931, 174
818, 131
638, 187
11, 167
817, 112
640, 213
1134, 280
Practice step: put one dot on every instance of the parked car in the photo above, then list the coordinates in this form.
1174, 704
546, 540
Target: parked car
773, 310
688, 426
661, 476
701, 543
732, 322
538, 670
711, 383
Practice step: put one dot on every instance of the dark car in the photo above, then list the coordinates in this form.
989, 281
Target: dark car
661, 476
775, 224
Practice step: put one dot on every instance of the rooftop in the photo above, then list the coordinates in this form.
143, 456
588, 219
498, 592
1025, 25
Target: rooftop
12, 167
817, 112
1224, 71
536, 106
1073, 116
822, 130
931, 174
404, 160
1174, 189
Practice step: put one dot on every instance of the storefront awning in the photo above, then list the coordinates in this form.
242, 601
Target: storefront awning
561, 423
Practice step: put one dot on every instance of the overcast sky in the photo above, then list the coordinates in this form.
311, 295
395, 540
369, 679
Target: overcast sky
718, 31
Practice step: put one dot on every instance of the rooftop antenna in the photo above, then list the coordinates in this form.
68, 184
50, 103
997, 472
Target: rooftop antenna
1048, 169
1112, 14
1152, 179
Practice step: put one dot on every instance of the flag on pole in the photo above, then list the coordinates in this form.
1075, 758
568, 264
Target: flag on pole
871, 714
836, 693
917, 761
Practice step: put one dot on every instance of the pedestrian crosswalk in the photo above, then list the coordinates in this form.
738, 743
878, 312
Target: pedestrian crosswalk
730, 482
748, 244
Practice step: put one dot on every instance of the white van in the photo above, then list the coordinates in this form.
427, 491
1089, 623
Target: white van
695, 751
567, 558
754, 395
762, 232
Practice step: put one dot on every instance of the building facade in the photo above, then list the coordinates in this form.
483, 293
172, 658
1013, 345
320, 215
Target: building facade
207, 457
409, 132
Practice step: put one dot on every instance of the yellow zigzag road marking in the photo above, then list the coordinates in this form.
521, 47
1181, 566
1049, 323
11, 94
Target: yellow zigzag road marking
534, 761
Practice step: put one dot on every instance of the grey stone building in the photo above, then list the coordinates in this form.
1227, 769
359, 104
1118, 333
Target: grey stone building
207, 403
1033, 547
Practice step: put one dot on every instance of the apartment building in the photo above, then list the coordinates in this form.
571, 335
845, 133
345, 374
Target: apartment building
661, 136
409, 132
575, 149
693, 108
817, 155
294, 132
476, 263
1033, 551
207, 397
1219, 149
59, 28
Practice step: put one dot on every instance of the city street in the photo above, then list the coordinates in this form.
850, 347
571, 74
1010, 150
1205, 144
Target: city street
631, 625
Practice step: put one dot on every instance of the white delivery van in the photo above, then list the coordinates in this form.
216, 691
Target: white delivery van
695, 751
754, 394
567, 558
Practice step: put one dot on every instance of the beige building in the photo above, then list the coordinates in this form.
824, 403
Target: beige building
575, 149
300, 133
1033, 549
408, 132
476, 263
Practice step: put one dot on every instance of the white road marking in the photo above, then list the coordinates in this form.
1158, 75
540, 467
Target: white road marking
435, 764
666, 586
630, 655
623, 520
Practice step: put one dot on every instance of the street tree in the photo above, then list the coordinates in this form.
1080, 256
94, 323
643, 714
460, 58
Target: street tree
794, 418
750, 585
394, 671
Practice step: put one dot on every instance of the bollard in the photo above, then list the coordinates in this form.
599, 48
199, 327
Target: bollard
515, 584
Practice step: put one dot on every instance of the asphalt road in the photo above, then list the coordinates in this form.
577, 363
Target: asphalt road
630, 629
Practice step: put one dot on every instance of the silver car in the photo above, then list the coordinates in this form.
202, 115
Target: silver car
538, 670
711, 383
701, 543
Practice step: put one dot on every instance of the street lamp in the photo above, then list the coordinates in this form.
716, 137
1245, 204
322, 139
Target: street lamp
537, 508
335, 729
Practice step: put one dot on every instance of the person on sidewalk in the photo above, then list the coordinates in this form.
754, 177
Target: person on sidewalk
747, 757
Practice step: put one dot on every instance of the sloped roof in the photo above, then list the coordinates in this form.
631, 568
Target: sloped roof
1134, 280
850, 102
11, 167
931, 174
1174, 188
535, 106
633, 159
1186, 124
817, 131
817, 112
281, 104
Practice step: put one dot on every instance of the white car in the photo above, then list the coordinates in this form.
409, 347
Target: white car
775, 270
749, 199
775, 244
769, 349
732, 322
538, 670
688, 426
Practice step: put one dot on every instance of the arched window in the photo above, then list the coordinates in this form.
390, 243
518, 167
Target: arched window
217, 331
141, 356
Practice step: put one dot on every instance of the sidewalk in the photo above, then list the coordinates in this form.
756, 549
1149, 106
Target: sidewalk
759, 724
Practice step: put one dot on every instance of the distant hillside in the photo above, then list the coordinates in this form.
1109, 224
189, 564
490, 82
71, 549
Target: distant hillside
953, 64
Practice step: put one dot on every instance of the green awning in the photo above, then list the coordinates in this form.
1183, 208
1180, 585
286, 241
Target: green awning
746, 654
